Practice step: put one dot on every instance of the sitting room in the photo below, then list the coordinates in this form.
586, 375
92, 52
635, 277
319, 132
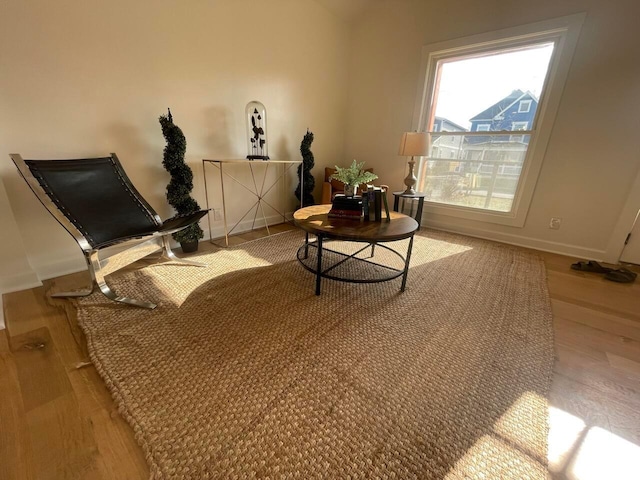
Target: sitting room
323, 239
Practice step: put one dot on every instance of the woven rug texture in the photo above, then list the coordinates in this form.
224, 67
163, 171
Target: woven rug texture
243, 372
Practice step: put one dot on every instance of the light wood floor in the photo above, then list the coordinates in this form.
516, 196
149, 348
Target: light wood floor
58, 421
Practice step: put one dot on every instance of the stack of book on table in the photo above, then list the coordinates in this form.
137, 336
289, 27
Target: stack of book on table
346, 207
374, 199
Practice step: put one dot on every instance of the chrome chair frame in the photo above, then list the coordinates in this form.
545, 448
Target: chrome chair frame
98, 267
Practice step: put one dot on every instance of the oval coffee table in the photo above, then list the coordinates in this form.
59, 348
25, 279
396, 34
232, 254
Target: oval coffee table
315, 220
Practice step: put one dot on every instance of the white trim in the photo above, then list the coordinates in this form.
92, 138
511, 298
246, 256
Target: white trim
527, 102
20, 281
483, 125
519, 240
501, 114
62, 265
564, 31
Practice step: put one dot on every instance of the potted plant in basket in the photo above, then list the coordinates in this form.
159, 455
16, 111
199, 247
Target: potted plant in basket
352, 176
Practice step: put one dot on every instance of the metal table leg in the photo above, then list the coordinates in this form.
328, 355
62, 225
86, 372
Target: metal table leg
406, 265
419, 212
319, 267
306, 245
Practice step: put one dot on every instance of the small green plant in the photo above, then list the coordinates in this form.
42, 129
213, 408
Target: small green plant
353, 175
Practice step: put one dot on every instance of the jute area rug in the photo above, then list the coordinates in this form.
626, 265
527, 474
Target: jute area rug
243, 372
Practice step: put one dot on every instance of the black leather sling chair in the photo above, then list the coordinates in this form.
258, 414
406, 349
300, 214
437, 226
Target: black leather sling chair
94, 200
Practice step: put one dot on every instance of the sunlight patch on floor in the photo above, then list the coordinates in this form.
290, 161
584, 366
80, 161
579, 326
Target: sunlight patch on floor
514, 449
426, 250
518, 423
564, 434
176, 282
492, 457
575, 450
604, 455
578, 452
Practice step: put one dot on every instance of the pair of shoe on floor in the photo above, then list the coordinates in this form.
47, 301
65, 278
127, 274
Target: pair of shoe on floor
620, 275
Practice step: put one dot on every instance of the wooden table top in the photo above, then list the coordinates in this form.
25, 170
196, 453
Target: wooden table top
315, 220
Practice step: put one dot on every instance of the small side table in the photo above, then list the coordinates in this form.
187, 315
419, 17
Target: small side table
419, 195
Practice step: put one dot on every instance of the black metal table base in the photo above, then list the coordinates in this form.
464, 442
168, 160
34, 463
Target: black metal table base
384, 272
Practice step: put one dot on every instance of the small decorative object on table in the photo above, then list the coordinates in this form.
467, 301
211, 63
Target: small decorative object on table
353, 176
346, 207
256, 131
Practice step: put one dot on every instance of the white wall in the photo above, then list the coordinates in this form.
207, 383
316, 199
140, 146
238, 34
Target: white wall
588, 171
89, 77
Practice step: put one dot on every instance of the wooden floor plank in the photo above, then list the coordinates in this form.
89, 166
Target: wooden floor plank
62, 441
15, 444
24, 311
616, 324
623, 298
589, 338
41, 374
599, 375
624, 364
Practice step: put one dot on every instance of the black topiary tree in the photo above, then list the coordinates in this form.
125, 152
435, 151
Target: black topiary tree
307, 163
181, 184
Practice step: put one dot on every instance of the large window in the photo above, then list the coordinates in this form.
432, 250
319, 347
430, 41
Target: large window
490, 86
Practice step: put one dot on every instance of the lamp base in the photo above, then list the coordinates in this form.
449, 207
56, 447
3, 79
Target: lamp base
411, 180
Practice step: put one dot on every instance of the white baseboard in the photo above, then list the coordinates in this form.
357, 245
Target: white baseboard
217, 227
62, 266
520, 241
20, 281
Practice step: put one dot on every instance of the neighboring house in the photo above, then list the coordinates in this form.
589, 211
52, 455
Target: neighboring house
441, 124
447, 147
514, 112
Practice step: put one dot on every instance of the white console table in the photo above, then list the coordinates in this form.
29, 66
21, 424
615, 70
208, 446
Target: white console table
258, 188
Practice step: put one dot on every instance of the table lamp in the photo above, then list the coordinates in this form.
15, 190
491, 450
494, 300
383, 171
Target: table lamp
413, 144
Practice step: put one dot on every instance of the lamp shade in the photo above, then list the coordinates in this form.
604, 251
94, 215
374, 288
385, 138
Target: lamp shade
414, 144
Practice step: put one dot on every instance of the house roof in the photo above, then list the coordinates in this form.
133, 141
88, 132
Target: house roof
497, 108
443, 119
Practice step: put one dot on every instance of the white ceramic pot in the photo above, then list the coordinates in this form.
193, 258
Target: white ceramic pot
350, 190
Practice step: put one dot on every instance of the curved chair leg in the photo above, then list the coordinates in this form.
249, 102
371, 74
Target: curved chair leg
80, 293
98, 280
169, 255
106, 290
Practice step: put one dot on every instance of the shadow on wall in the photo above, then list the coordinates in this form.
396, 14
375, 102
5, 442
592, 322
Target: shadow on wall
217, 141
142, 162
281, 152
